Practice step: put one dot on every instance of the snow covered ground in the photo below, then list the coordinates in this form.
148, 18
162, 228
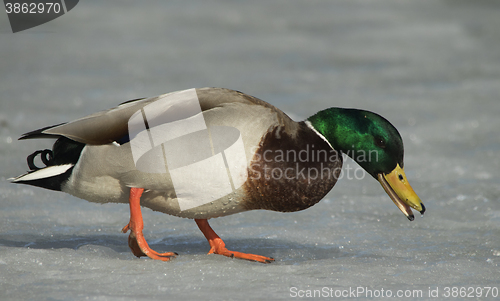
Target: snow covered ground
431, 67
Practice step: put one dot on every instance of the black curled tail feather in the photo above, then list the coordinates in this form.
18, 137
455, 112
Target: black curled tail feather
46, 156
59, 163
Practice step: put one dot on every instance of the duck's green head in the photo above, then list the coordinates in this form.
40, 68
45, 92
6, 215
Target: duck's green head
376, 145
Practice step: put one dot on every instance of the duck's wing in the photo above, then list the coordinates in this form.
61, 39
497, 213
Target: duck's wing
98, 128
111, 125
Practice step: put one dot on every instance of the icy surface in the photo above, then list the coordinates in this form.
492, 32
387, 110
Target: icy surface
431, 67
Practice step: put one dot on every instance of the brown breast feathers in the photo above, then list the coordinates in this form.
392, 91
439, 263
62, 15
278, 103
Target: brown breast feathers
291, 173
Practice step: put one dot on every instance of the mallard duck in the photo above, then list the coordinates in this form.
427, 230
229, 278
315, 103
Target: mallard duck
211, 152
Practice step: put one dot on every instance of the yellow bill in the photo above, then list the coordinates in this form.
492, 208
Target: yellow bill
397, 187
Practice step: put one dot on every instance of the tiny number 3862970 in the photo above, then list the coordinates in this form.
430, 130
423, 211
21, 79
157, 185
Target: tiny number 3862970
32, 8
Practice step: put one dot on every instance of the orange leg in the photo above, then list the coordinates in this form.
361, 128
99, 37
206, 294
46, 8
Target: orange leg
136, 240
217, 246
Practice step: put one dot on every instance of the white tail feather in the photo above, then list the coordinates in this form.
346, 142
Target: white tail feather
43, 173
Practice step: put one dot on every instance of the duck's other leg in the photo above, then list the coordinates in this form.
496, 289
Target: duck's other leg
136, 240
217, 246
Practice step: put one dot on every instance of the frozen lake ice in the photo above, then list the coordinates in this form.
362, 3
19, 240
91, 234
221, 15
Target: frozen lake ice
431, 67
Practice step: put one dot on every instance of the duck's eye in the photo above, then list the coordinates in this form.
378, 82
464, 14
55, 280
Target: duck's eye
379, 142
401, 177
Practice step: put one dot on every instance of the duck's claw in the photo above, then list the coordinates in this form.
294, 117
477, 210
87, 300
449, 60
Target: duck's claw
217, 245
140, 247
133, 244
136, 240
